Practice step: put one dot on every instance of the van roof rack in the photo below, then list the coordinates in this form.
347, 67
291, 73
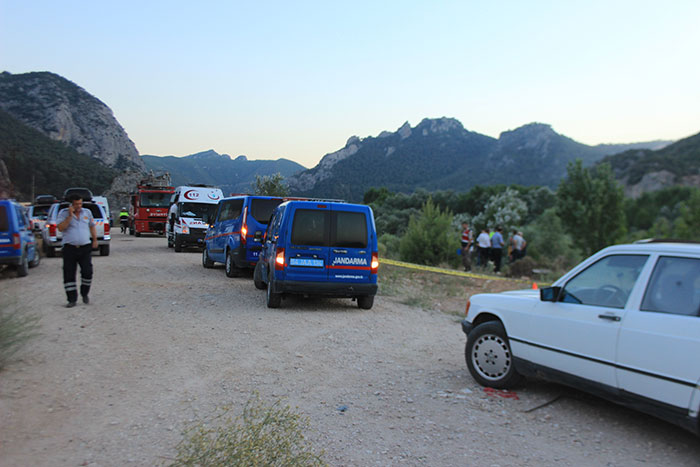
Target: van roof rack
665, 240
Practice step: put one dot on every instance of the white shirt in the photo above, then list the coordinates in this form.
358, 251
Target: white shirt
483, 240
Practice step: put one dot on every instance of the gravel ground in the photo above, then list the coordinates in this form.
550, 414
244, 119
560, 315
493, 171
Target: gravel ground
165, 341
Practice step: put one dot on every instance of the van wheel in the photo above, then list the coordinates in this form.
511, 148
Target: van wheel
50, 251
37, 259
206, 262
365, 301
177, 244
170, 241
138, 234
231, 269
273, 299
23, 266
104, 250
257, 277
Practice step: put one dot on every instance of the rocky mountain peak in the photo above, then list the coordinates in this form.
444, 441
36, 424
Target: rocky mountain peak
66, 112
439, 125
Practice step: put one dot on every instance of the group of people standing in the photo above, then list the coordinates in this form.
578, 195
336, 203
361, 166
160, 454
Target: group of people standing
489, 246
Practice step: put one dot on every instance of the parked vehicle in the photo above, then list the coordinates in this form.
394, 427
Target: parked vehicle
17, 242
191, 210
149, 209
102, 201
323, 248
236, 232
53, 238
624, 324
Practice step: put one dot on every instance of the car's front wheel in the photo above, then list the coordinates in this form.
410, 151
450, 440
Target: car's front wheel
257, 277
489, 358
206, 261
23, 266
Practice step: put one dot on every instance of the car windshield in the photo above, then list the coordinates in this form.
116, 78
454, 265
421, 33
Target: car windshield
155, 200
198, 210
40, 211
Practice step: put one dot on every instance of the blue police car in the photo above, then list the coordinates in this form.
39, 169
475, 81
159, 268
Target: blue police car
17, 242
319, 248
235, 234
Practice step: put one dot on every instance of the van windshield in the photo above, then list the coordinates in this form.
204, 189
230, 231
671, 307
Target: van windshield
40, 211
155, 200
198, 211
261, 209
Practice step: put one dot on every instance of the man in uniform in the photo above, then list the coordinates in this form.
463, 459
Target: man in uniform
78, 226
466, 240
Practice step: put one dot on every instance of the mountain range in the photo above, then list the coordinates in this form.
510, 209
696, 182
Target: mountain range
212, 168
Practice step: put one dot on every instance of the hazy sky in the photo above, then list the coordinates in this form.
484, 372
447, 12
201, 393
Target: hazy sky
295, 79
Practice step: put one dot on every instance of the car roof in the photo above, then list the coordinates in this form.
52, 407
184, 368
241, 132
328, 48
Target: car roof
654, 247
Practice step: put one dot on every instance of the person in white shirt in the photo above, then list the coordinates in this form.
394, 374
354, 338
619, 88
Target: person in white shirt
483, 241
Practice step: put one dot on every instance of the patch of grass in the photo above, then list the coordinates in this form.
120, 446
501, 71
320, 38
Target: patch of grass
16, 328
263, 435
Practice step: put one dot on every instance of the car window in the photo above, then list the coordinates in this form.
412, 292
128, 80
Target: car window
231, 210
4, 224
349, 229
608, 282
40, 212
674, 287
20, 218
95, 210
310, 227
262, 209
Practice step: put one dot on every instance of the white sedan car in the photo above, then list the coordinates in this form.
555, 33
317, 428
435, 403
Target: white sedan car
624, 324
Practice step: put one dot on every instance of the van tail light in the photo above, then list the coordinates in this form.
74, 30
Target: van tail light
16, 241
106, 224
374, 267
52, 230
279, 259
466, 311
244, 227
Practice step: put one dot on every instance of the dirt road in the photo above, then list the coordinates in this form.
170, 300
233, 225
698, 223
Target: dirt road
165, 340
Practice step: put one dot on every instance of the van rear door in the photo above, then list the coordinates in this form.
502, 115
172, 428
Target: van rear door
308, 253
350, 255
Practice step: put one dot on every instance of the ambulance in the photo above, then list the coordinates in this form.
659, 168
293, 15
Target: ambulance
191, 210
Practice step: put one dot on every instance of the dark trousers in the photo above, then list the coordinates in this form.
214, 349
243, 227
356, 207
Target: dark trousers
496, 258
72, 257
483, 256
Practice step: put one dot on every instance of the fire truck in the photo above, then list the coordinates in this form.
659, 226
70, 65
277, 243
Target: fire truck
148, 212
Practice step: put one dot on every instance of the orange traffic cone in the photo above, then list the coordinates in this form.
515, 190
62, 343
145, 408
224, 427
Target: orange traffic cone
534, 286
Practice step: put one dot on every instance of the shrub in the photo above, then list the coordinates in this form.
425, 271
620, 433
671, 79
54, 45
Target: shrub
16, 328
389, 246
430, 238
263, 435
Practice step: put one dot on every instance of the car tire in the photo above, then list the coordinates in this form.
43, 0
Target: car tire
257, 277
170, 241
23, 266
230, 265
273, 299
131, 231
365, 302
37, 259
104, 250
206, 262
50, 252
137, 234
489, 358
177, 244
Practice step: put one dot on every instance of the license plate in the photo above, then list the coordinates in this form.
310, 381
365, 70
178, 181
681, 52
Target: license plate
306, 262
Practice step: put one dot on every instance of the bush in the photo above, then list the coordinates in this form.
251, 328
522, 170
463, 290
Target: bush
389, 246
430, 238
16, 328
263, 435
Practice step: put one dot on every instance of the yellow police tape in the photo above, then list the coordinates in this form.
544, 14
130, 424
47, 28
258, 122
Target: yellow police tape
446, 271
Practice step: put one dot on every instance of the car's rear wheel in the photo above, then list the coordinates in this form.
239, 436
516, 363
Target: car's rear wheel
206, 262
273, 299
37, 259
365, 301
177, 244
50, 251
230, 266
104, 250
257, 277
489, 358
23, 266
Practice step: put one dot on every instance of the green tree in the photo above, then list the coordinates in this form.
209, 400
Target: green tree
505, 209
430, 238
687, 225
590, 205
270, 185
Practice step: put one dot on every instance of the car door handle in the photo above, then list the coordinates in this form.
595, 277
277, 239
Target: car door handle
610, 317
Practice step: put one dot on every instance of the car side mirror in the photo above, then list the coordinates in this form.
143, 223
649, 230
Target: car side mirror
550, 294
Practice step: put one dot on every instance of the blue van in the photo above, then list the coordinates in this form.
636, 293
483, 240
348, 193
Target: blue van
235, 234
319, 248
17, 242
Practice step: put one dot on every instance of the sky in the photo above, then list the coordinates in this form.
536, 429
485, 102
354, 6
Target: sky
296, 79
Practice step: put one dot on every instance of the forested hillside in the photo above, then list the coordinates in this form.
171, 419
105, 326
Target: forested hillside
35, 160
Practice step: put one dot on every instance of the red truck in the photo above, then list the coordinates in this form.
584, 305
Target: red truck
148, 212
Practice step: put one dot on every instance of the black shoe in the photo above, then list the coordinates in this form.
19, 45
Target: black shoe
70, 304
86, 300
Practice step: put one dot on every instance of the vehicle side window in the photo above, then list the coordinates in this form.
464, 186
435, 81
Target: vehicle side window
231, 210
349, 229
20, 218
310, 227
4, 224
674, 287
608, 282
